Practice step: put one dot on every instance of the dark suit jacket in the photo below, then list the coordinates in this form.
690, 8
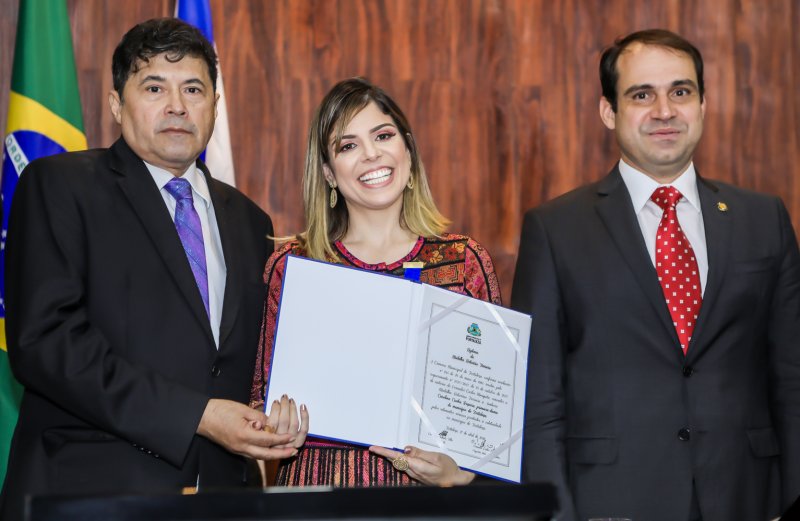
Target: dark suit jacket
108, 333
617, 417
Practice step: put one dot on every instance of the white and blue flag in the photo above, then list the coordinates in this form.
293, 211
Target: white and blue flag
218, 155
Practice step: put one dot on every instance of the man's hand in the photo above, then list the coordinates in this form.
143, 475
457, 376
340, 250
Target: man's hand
240, 429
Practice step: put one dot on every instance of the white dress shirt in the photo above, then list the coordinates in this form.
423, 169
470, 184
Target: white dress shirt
215, 262
690, 216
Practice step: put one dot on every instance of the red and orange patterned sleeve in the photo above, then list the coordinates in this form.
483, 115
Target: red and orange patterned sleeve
480, 280
273, 277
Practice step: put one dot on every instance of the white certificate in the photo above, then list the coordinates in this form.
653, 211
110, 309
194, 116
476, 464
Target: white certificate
381, 360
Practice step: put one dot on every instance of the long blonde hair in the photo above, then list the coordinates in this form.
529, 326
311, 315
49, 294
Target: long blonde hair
325, 225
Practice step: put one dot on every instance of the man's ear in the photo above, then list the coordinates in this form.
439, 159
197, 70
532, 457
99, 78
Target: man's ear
607, 114
115, 102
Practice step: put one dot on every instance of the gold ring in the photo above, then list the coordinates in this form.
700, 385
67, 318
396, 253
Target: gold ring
400, 463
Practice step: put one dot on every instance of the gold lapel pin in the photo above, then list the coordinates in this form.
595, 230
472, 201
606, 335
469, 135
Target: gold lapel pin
722, 207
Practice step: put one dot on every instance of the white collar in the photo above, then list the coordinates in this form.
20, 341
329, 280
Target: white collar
192, 174
641, 186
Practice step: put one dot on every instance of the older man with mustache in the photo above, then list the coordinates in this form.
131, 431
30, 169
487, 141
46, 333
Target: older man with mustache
134, 284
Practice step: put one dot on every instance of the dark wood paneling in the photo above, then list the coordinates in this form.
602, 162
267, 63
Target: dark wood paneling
8, 33
502, 94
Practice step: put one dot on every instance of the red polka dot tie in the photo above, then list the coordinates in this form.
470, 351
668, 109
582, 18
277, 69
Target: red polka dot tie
676, 266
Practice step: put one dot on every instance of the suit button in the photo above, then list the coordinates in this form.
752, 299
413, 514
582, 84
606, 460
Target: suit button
684, 434
687, 371
215, 370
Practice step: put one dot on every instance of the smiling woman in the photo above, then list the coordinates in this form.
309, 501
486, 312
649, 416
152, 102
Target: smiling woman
361, 147
370, 164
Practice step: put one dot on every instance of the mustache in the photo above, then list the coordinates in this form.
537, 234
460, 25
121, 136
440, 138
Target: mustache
173, 124
672, 125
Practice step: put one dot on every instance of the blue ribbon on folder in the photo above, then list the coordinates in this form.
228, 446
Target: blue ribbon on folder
412, 270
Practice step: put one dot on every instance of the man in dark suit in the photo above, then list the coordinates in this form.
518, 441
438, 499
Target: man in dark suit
135, 296
665, 355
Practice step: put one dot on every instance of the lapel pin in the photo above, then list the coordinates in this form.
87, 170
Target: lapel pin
722, 207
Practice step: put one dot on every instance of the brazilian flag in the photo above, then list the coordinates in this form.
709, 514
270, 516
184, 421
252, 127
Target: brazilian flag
44, 118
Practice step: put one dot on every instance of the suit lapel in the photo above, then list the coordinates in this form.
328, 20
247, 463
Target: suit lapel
143, 195
232, 296
616, 211
717, 225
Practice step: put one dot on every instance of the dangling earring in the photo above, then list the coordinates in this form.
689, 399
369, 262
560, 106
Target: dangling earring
334, 196
410, 183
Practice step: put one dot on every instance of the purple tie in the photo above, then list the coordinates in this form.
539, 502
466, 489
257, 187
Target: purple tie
191, 234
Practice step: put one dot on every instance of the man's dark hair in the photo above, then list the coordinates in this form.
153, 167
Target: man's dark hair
171, 37
658, 37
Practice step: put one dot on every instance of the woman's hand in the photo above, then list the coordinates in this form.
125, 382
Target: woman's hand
430, 468
284, 419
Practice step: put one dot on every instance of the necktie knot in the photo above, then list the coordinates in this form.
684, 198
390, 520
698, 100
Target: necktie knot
180, 189
666, 197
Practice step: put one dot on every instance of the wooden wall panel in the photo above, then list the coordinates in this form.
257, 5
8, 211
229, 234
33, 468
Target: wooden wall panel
502, 94
8, 31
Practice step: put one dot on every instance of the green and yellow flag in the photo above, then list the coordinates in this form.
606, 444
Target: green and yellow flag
44, 118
